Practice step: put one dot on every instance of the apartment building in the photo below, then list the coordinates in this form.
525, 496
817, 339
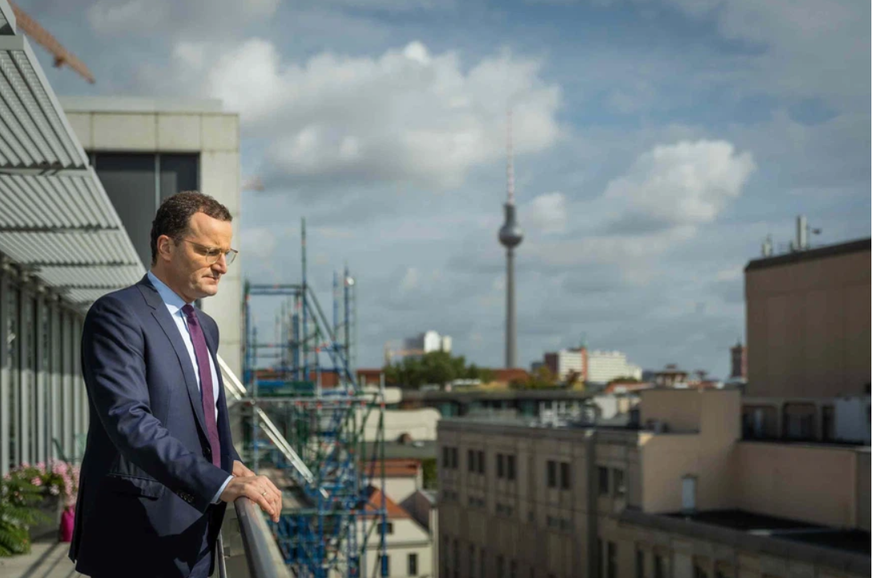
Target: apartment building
566, 361
684, 496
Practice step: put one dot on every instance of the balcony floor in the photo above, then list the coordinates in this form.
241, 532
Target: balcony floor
46, 560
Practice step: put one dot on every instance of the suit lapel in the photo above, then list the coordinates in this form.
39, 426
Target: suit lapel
165, 320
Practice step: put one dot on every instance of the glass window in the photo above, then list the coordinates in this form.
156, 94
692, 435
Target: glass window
471, 561
445, 457
412, 565
454, 458
603, 481
178, 173
500, 565
552, 467
12, 353
510, 467
482, 568
129, 180
599, 560
29, 381
565, 476
611, 562
660, 569
618, 482
482, 463
471, 461
640, 564
499, 465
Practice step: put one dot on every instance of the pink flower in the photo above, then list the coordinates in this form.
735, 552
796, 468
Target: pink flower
36, 481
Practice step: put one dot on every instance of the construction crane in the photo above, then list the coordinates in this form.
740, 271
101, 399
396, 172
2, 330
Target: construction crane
40, 35
253, 184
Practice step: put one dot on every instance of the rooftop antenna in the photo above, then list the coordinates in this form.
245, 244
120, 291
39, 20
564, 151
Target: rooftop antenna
767, 247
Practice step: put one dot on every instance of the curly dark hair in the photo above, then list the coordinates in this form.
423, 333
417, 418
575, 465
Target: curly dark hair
175, 213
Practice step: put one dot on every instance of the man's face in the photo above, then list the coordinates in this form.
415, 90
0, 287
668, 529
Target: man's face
189, 263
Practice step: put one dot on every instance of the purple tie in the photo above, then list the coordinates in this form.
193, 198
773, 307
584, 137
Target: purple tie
206, 394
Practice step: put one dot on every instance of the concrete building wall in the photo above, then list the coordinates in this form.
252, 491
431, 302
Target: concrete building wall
143, 125
421, 424
678, 409
822, 488
808, 326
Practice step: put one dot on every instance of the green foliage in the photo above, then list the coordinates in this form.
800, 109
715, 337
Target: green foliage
627, 379
542, 378
436, 367
18, 499
429, 473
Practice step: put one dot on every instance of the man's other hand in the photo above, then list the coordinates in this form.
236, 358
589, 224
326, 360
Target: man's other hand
258, 489
240, 470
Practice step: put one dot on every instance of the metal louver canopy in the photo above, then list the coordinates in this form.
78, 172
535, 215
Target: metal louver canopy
55, 217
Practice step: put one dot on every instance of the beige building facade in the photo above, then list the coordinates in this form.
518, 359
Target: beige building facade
808, 323
683, 496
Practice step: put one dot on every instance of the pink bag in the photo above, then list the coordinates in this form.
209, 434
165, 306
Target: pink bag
67, 520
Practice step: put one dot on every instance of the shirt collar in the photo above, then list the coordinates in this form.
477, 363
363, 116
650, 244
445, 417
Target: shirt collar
170, 298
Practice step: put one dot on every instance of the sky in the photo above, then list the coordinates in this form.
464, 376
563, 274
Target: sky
657, 143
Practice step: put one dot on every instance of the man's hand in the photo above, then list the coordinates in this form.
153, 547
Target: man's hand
240, 470
258, 489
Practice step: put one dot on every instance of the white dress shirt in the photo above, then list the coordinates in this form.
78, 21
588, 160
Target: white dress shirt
174, 305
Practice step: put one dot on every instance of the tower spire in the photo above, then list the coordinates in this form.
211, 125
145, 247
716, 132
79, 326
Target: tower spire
510, 168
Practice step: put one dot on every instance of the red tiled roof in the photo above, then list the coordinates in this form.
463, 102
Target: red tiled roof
508, 375
397, 468
392, 510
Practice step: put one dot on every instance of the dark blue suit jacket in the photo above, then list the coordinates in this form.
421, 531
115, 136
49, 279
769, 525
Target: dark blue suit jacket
147, 479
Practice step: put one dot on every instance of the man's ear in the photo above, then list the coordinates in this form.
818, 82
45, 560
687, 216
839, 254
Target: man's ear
165, 248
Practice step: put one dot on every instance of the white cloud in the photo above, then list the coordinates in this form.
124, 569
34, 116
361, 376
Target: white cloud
405, 116
548, 212
662, 200
687, 183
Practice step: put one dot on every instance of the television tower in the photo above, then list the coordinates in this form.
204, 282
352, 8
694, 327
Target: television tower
510, 237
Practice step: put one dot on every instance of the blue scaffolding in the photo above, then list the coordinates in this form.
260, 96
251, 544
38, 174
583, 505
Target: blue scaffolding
333, 521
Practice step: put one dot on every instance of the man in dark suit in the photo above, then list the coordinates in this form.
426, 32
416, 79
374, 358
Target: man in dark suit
160, 466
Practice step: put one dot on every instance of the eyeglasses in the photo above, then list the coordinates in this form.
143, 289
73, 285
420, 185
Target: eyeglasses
213, 254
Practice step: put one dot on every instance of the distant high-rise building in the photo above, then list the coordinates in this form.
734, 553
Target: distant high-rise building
738, 361
426, 342
604, 366
446, 344
566, 361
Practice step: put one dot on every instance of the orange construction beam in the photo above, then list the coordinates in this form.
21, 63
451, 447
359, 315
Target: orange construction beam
41, 36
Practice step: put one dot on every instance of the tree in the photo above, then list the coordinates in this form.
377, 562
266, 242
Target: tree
436, 367
542, 378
